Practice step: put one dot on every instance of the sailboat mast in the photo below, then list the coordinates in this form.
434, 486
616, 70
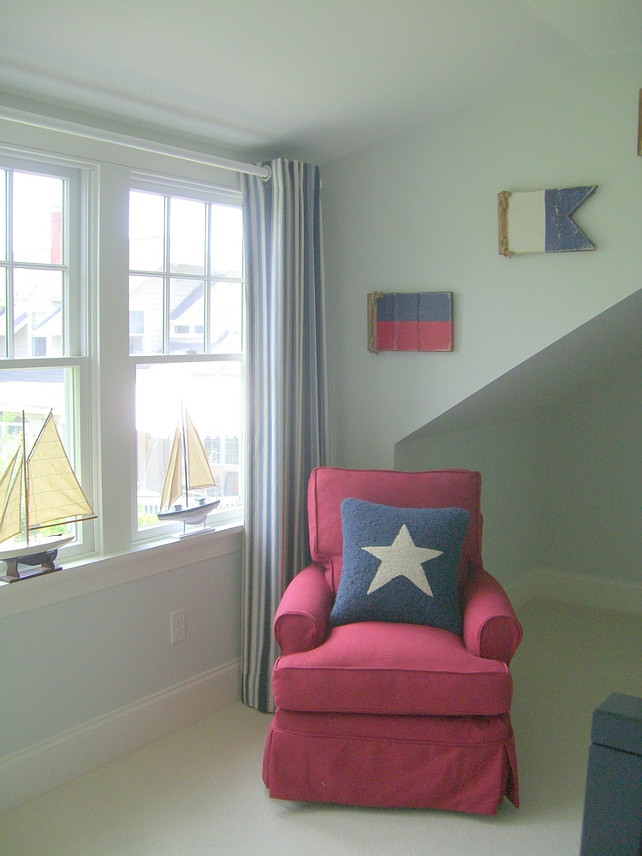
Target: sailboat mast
24, 474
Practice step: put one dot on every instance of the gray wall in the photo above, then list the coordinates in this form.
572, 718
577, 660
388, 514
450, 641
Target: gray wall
562, 490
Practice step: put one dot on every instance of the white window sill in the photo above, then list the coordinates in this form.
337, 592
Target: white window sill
94, 573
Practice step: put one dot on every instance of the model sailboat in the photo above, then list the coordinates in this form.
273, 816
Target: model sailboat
38, 490
188, 470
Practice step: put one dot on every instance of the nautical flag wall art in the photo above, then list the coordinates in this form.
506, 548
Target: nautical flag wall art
410, 321
541, 221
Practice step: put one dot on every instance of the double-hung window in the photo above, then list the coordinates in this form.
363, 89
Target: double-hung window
44, 365
186, 338
119, 334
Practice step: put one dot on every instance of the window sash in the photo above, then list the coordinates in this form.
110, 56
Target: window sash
66, 267
167, 349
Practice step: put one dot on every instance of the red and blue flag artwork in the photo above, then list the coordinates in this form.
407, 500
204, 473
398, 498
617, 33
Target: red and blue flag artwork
420, 321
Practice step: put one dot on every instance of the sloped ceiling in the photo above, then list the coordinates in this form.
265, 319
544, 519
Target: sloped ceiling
298, 78
566, 369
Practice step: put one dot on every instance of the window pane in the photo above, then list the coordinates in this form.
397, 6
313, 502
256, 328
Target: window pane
36, 392
37, 218
146, 230
145, 315
226, 241
3, 214
185, 316
226, 313
187, 236
211, 394
37, 318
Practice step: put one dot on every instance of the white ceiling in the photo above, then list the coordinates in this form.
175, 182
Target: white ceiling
309, 79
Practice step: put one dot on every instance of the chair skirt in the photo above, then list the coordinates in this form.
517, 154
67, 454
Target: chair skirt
458, 763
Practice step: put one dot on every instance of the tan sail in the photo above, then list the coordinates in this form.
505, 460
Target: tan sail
54, 493
187, 463
10, 498
199, 472
172, 486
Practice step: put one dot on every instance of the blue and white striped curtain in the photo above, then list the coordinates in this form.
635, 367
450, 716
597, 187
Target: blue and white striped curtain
286, 402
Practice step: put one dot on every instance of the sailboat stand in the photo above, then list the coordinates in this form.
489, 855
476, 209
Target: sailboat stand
37, 491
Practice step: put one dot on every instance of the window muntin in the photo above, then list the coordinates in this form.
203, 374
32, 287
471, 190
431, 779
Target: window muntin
186, 300
185, 271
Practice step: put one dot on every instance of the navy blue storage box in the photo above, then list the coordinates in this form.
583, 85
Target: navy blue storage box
612, 823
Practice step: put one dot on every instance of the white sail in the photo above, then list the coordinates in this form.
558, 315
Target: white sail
54, 493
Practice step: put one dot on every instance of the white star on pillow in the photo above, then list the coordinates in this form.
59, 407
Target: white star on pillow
402, 558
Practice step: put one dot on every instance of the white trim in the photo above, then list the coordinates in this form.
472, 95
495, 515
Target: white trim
30, 772
101, 135
582, 589
95, 574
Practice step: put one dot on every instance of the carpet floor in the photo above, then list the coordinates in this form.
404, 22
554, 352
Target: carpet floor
199, 791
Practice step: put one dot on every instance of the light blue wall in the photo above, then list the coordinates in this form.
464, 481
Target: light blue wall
418, 212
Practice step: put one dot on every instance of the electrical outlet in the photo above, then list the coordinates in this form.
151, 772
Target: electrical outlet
177, 626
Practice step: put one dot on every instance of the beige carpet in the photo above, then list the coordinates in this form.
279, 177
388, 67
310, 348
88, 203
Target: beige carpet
199, 791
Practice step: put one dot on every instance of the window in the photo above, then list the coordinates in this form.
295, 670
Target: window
117, 332
43, 350
186, 314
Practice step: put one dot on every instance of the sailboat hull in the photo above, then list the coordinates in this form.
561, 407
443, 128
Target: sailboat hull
194, 514
25, 552
39, 557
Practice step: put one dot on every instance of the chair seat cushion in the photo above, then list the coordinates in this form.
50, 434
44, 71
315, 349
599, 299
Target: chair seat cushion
385, 668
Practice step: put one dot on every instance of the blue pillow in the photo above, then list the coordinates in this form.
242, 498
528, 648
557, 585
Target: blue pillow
400, 564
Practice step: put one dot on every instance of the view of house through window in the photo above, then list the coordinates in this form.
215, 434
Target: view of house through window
185, 333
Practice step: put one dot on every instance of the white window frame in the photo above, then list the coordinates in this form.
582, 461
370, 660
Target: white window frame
106, 417
203, 193
75, 266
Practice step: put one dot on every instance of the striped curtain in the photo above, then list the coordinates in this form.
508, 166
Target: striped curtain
286, 401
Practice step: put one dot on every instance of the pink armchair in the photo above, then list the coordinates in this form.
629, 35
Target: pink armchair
384, 712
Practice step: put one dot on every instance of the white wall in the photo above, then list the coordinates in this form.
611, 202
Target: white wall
90, 676
69, 662
419, 213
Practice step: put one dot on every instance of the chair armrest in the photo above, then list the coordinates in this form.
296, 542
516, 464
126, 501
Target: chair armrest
301, 621
491, 628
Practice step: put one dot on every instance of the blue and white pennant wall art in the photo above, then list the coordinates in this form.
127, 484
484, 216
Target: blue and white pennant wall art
540, 221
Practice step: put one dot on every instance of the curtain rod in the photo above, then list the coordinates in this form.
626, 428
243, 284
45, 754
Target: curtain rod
102, 136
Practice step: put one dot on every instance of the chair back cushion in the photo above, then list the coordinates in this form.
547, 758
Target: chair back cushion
329, 486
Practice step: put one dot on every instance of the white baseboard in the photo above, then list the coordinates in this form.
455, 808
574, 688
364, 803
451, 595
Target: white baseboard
582, 589
39, 768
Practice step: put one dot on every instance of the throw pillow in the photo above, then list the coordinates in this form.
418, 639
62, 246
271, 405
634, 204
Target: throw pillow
400, 564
